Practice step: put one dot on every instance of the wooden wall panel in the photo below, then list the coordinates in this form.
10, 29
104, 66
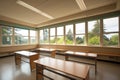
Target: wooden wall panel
98, 50
5, 49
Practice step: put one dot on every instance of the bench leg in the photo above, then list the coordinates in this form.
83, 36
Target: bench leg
95, 66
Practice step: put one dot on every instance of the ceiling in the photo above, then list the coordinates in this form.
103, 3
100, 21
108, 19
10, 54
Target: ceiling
9, 9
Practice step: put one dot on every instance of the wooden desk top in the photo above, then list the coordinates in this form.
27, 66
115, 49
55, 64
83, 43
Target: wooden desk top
81, 54
71, 68
25, 53
45, 49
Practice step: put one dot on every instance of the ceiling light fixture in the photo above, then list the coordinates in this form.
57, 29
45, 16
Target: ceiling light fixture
33, 9
81, 4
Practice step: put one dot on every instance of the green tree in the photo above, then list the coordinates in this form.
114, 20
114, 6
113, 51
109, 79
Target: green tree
114, 40
94, 40
93, 36
79, 40
6, 32
60, 40
69, 37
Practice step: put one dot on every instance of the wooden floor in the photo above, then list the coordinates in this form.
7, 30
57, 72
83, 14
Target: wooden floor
9, 71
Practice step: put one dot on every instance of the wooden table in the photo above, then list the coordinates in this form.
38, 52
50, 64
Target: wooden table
71, 68
27, 54
51, 51
82, 54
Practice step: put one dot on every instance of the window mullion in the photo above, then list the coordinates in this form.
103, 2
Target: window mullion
101, 32
64, 34
119, 30
86, 33
13, 36
0, 35
74, 41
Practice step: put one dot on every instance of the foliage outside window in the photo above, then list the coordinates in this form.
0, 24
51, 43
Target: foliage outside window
33, 37
44, 36
80, 33
60, 35
111, 31
21, 36
52, 35
94, 32
69, 34
6, 35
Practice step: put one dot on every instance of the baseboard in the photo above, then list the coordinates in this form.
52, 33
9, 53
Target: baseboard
6, 56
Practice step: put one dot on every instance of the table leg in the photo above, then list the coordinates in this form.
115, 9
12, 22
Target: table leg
17, 59
53, 53
66, 57
95, 65
39, 72
32, 58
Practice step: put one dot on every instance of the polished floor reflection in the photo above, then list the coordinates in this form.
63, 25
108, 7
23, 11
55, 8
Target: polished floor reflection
9, 71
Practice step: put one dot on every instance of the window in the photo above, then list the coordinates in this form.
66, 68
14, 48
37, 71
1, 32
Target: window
33, 37
111, 31
7, 35
80, 33
69, 34
94, 32
60, 35
52, 35
21, 36
44, 36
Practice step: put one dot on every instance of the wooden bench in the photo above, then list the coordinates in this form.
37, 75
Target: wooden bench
49, 50
82, 54
27, 54
71, 68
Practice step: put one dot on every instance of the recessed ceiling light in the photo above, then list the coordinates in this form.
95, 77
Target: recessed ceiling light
33, 9
81, 4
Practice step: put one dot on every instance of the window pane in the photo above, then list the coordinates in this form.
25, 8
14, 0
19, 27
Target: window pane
32, 37
32, 33
80, 28
60, 40
110, 39
69, 34
52, 35
94, 32
6, 30
52, 40
32, 40
6, 40
21, 40
111, 24
52, 31
60, 31
80, 39
60, 35
21, 32
21, 36
41, 36
44, 36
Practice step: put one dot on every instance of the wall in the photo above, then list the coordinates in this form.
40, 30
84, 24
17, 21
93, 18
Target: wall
6, 49
118, 4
